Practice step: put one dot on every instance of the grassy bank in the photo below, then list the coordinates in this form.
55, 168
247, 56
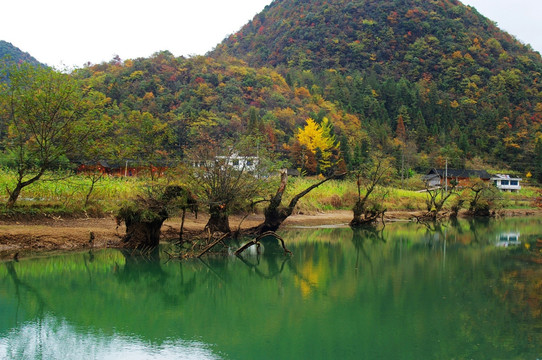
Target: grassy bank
66, 195
339, 194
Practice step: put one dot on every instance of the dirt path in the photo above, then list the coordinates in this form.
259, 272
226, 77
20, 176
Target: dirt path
25, 237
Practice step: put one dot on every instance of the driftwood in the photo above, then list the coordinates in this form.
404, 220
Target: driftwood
212, 245
256, 241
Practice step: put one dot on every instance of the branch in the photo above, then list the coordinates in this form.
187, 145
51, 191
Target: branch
296, 198
256, 242
213, 244
277, 199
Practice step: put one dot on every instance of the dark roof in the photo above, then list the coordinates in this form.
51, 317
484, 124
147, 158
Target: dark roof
430, 176
292, 172
460, 173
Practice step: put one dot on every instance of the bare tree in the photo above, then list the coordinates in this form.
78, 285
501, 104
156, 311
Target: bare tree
484, 198
366, 211
94, 176
275, 213
436, 199
226, 177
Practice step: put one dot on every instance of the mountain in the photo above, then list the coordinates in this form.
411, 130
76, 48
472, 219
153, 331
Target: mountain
16, 55
386, 36
435, 73
422, 81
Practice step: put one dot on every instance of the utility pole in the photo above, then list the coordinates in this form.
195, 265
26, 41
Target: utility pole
446, 176
402, 167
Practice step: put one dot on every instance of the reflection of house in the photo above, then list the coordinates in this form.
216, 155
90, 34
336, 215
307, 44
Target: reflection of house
506, 183
462, 177
507, 239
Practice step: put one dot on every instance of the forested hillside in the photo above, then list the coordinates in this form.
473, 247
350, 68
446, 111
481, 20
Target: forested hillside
162, 105
325, 83
15, 55
436, 73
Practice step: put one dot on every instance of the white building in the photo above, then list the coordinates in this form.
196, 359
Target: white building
506, 182
235, 161
240, 163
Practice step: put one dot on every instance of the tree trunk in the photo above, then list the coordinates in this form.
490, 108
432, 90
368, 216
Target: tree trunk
218, 220
143, 235
275, 213
14, 194
365, 217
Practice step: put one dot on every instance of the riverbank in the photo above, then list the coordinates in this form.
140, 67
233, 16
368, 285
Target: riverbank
26, 237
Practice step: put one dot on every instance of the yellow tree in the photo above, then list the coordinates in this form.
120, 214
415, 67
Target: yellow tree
319, 140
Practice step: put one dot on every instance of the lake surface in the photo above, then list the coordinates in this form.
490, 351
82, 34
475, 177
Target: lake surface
456, 292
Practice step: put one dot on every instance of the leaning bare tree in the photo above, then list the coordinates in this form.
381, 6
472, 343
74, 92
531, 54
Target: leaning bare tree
275, 213
366, 210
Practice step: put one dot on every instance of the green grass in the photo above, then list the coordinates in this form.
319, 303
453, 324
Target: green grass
342, 194
60, 193
66, 195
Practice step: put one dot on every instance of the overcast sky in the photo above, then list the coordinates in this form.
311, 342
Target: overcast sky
521, 18
67, 33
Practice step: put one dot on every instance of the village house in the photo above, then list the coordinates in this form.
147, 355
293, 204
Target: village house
235, 161
461, 177
241, 163
506, 182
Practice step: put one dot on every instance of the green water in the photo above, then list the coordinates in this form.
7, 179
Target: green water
407, 293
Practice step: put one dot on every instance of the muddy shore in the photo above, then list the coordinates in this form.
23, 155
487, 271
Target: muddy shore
23, 237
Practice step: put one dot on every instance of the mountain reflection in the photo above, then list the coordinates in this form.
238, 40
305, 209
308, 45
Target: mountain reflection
51, 338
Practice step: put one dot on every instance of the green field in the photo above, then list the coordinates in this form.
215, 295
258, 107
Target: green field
61, 194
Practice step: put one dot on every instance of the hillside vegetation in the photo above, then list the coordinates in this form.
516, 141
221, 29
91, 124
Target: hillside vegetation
435, 73
322, 86
11, 53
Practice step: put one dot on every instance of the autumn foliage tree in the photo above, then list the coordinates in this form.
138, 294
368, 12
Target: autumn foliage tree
315, 141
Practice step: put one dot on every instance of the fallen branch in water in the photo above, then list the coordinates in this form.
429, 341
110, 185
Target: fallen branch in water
210, 246
256, 241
